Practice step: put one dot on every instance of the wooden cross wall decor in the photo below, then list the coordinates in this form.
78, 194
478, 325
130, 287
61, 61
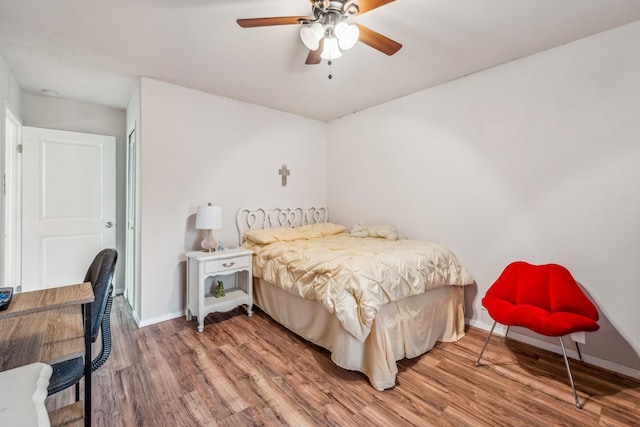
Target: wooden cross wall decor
284, 172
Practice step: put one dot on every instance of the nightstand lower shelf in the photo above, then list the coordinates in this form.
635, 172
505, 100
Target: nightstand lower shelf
232, 299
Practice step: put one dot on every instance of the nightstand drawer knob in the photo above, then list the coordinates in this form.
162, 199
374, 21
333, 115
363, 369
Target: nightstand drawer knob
228, 264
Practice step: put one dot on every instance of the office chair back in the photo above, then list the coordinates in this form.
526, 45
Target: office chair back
100, 274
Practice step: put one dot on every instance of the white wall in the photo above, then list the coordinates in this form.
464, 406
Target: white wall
197, 148
535, 160
9, 89
75, 116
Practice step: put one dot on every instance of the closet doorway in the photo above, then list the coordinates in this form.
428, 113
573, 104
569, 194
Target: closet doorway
131, 290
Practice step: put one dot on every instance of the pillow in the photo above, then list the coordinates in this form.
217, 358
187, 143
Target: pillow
379, 231
287, 234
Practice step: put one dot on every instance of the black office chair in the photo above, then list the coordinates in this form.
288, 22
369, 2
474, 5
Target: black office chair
100, 274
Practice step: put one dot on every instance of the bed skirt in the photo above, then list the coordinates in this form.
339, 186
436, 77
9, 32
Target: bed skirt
402, 329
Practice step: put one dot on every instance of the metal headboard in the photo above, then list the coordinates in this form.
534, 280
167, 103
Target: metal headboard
259, 218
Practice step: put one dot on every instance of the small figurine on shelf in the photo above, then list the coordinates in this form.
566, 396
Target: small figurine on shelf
219, 289
220, 246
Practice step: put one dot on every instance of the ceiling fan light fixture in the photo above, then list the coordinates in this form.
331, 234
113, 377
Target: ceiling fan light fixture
331, 50
348, 35
327, 32
312, 35
340, 27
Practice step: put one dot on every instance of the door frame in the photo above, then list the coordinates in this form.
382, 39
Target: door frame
132, 236
11, 204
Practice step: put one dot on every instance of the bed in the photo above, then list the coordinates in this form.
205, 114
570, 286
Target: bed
369, 301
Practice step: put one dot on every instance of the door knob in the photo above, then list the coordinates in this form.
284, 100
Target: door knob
109, 224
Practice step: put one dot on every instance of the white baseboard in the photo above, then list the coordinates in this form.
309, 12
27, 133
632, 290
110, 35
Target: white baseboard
596, 361
143, 323
169, 316
498, 330
136, 318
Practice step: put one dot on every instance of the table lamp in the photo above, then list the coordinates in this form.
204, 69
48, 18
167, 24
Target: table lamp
209, 218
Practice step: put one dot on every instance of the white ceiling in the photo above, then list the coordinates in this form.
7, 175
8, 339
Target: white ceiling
93, 51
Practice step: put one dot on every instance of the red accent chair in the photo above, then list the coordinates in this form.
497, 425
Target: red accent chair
543, 298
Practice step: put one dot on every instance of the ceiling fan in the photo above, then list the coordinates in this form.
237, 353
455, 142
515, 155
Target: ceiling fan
327, 33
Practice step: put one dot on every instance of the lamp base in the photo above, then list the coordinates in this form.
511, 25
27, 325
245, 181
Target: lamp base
209, 243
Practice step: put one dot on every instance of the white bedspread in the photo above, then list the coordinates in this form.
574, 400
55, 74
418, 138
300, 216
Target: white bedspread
354, 277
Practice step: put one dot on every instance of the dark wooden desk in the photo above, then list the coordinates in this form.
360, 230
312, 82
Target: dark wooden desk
49, 326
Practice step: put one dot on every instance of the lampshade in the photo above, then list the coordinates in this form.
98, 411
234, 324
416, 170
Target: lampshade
312, 35
347, 35
209, 217
331, 50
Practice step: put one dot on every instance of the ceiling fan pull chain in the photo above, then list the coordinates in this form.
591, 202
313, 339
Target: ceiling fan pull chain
330, 63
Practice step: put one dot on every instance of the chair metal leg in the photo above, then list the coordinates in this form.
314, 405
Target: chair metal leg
579, 354
566, 362
485, 343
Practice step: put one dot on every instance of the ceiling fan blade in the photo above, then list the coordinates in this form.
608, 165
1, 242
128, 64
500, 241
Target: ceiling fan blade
314, 55
378, 41
265, 22
366, 5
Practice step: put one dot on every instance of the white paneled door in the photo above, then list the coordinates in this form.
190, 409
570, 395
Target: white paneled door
69, 199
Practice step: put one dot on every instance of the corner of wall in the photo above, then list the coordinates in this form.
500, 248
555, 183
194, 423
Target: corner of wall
9, 88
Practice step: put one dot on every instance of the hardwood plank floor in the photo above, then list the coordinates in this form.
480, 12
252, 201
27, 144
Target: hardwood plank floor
251, 371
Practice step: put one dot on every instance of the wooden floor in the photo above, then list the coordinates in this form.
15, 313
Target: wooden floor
251, 371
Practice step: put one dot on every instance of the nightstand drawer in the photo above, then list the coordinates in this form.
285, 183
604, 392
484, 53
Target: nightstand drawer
220, 265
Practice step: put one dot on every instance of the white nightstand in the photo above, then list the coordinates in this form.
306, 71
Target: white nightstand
202, 265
